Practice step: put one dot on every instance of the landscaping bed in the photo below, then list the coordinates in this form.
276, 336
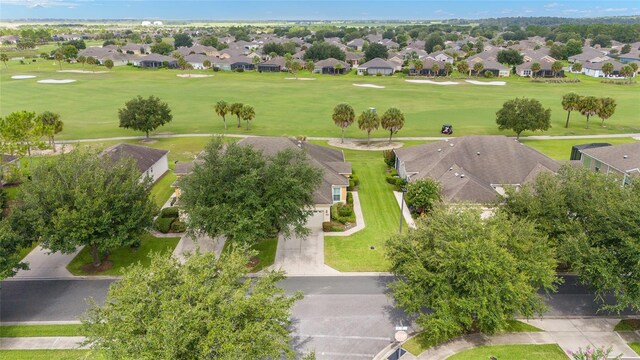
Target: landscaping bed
343, 217
168, 221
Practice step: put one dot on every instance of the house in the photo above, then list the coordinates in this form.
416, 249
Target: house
524, 69
197, 60
376, 66
441, 56
620, 160
9, 39
152, 163
427, 68
356, 44
493, 66
589, 55
595, 69
241, 62
276, 64
473, 169
136, 49
354, 58
390, 44
332, 66
157, 61
336, 171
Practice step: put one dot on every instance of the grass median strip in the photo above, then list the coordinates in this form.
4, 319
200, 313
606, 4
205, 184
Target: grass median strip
40, 330
513, 352
50, 355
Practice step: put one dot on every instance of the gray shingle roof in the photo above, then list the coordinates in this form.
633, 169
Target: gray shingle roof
377, 63
144, 156
615, 156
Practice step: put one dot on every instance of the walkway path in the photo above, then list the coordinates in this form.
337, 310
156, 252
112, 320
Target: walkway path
34, 343
204, 243
405, 210
357, 209
45, 265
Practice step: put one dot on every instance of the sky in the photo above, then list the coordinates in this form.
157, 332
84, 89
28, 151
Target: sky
308, 9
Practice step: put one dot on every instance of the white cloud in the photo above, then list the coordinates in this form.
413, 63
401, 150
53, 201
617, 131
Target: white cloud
44, 3
551, 5
615, 9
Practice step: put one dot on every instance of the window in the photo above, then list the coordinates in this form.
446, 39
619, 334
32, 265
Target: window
336, 194
598, 165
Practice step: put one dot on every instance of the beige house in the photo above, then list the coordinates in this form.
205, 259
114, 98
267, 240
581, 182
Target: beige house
620, 160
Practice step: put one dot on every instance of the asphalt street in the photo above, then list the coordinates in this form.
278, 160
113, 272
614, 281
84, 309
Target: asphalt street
340, 317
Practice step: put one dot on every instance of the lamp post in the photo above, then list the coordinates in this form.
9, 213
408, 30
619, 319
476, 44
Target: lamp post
404, 190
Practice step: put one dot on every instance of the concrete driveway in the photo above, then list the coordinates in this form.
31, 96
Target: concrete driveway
46, 265
303, 256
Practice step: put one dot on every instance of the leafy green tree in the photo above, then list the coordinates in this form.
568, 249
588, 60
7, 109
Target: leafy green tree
392, 120
556, 67
247, 114
368, 121
4, 58
144, 114
206, 64
343, 116
222, 108
606, 108
463, 67
322, 50
576, 67
510, 57
50, 125
423, 195
99, 206
570, 102
161, 48
10, 246
82, 60
310, 66
376, 50
203, 309
607, 69
239, 193
474, 275
593, 222
236, 109
19, 132
92, 61
573, 47
625, 49
182, 39
108, 64
432, 41
588, 106
535, 67
522, 114
478, 67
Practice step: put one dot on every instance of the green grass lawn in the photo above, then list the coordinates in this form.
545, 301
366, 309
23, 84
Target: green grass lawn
289, 107
513, 352
628, 325
561, 149
40, 330
635, 346
417, 344
381, 216
49, 355
266, 253
162, 190
126, 256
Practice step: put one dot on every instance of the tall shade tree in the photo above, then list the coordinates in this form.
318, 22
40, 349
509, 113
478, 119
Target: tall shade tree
236, 109
239, 193
50, 125
477, 67
144, 114
20, 132
310, 66
472, 274
607, 69
463, 67
606, 108
556, 67
247, 113
570, 102
10, 246
343, 116
4, 58
535, 67
522, 114
423, 195
222, 108
510, 57
595, 225
588, 106
202, 309
368, 121
79, 199
392, 120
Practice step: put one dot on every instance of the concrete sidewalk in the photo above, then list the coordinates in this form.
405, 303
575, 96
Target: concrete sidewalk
38, 343
46, 265
405, 210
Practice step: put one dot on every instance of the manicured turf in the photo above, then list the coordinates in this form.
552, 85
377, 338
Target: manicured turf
126, 256
628, 325
513, 352
561, 149
288, 107
381, 216
49, 355
40, 330
635, 346
162, 190
266, 253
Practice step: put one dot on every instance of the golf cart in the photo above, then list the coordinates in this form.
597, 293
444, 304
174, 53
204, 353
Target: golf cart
447, 129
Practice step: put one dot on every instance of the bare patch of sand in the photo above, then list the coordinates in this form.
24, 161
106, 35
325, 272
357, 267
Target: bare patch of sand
52, 81
494, 83
369, 86
193, 76
60, 149
82, 71
432, 82
362, 144
303, 79
20, 77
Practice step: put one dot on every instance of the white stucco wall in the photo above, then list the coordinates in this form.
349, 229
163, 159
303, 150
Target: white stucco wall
158, 169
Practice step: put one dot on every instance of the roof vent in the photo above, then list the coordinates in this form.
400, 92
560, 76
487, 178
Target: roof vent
439, 150
451, 145
625, 157
451, 168
456, 174
478, 153
462, 176
446, 140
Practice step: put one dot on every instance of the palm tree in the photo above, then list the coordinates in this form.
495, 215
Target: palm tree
337, 68
576, 68
418, 65
556, 67
606, 108
82, 60
435, 69
235, 109
59, 56
368, 121
247, 114
392, 120
588, 106
206, 64
477, 67
463, 67
50, 124
310, 66
535, 67
91, 60
570, 102
343, 116
222, 108
607, 69
4, 58
256, 60
626, 71
448, 68
634, 66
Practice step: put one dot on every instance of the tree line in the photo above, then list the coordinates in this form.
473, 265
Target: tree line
392, 120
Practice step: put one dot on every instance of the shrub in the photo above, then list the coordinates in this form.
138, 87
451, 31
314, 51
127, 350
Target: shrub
330, 226
343, 213
178, 227
389, 158
379, 74
352, 185
169, 212
12, 175
394, 180
488, 74
349, 198
239, 70
422, 196
163, 224
4, 198
355, 179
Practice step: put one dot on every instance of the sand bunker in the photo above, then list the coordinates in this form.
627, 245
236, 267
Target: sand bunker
20, 77
299, 78
82, 71
193, 75
52, 81
369, 86
495, 83
432, 82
